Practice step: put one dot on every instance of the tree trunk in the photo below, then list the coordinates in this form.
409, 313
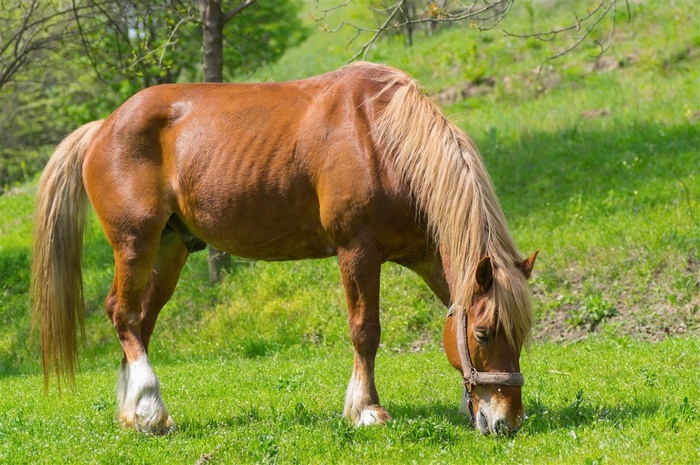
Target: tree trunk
212, 40
213, 63
410, 14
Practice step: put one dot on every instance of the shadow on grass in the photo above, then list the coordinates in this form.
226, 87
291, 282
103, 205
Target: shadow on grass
435, 411
436, 422
260, 416
23, 354
15, 314
426, 423
542, 419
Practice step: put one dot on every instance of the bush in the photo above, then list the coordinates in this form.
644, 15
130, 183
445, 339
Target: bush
19, 166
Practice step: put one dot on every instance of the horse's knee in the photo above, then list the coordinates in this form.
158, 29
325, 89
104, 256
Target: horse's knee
365, 334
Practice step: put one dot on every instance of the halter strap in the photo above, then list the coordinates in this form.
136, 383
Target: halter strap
470, 375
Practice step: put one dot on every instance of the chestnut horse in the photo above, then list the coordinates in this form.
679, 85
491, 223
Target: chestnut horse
355, 163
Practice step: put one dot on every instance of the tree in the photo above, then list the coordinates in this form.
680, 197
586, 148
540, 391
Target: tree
159, 41
214, 19
408, 15
30, 32
29, 29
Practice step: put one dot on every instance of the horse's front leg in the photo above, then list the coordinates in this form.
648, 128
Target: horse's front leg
360, 266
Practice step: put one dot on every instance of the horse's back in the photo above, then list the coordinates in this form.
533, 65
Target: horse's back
270, 170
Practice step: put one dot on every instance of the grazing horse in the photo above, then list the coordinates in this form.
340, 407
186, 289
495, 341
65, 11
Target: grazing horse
355, 163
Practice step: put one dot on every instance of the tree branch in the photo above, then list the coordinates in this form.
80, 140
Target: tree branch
33, 29
367, 45
324, 11
482, 15
593, 17
84, 41
485, 14
237, 10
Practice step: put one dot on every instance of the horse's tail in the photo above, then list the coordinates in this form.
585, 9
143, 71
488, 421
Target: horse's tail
56, 281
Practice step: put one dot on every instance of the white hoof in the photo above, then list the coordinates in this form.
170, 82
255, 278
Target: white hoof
140, 405
368, 417
359, 409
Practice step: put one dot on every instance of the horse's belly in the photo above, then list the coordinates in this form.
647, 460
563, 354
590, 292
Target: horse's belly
277, 244
262, 227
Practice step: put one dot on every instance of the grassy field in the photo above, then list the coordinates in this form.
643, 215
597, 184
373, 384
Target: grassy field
285, 408
596, 163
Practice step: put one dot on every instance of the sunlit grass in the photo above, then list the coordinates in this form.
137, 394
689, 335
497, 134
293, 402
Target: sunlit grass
585, 402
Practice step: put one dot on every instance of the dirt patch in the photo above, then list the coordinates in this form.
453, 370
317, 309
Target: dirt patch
544, 78
464, 90
596, 113
539, 80
651, 324
606, 63
663, 307
556, 327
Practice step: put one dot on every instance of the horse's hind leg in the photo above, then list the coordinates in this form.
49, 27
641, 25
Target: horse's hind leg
142, 284
172, 256
360, 266
138, 391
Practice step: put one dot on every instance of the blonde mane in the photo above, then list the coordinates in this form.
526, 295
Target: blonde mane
447, 176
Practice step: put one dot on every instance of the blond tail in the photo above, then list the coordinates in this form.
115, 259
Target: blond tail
57, 283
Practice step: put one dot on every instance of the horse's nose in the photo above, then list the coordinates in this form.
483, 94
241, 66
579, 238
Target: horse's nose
501, 427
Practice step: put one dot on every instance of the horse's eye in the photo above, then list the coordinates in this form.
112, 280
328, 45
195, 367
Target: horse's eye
482, 336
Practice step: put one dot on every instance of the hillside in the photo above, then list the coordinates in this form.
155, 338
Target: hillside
595, 157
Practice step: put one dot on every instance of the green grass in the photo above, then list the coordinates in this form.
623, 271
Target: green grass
284, 408
255, 369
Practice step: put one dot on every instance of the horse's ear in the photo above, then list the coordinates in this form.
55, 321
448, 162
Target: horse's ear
527, 264
484, 274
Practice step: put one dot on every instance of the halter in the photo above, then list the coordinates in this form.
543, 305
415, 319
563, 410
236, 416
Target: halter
470, 375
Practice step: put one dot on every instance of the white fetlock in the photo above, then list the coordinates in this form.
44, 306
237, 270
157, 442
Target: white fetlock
358, 408
354, 398
140, 405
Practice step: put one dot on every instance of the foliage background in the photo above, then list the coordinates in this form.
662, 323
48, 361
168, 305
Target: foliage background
114, 50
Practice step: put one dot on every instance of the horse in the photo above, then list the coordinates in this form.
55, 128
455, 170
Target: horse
356, 163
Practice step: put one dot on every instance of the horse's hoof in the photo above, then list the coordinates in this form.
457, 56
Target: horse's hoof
157, 427
163, 428
373, 416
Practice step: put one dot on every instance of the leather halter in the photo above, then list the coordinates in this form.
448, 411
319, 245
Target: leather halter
470, 375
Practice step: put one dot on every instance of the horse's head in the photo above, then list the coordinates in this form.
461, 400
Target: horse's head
489, 359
